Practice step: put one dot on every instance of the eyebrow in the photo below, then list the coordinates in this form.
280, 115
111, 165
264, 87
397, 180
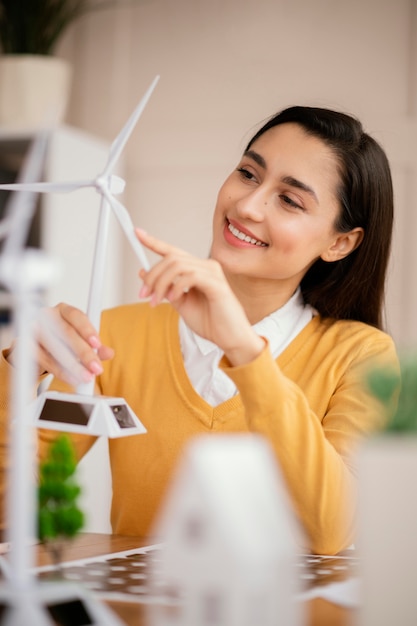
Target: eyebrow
294, 182
255, 156
288, 180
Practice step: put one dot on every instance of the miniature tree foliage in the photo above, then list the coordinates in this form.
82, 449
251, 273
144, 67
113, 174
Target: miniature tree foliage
401, 388
59, 517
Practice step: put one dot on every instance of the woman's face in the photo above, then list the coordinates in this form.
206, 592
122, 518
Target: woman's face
275, 213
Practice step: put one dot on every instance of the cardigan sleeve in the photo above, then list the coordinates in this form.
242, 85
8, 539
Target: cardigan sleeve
316, 454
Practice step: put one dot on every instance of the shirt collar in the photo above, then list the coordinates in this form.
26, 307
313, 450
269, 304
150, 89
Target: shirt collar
273, 327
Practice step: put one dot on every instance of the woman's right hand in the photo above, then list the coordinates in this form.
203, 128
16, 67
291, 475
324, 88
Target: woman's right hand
67, 345
199, 290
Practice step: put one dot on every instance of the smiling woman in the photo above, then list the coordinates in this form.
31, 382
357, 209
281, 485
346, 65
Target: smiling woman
271, 335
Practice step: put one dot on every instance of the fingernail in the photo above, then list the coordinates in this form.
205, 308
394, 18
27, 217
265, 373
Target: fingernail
144, 292
95, 367
154, 300
94, 341
141, 231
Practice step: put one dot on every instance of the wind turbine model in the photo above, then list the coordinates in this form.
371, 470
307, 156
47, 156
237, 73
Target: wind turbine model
25, 273
84, 411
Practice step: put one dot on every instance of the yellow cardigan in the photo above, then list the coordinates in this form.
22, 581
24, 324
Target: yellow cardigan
310, 403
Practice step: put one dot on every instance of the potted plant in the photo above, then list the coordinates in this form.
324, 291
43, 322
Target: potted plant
36, 26
388, 502
34, 83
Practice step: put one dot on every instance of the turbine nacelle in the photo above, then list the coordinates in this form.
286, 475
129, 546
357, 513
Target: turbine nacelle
112, 184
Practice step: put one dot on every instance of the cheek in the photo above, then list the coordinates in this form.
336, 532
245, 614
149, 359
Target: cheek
224, 199
294, 239
288, 238
226, 191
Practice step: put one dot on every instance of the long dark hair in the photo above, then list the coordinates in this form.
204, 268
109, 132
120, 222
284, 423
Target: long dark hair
353, 287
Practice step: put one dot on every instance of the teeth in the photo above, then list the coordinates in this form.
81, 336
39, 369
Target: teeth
237, 233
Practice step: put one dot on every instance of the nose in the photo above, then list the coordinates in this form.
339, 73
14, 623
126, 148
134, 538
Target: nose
253, 204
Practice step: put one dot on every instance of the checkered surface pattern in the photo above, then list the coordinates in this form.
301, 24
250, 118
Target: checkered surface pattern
125, 575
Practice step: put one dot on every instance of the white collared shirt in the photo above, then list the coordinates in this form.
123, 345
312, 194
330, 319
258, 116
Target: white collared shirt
201, 357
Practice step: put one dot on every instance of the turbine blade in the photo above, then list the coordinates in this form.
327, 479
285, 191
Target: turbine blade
126, 223
122, 138
64, 187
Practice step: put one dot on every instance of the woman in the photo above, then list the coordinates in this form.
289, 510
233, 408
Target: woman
272, 334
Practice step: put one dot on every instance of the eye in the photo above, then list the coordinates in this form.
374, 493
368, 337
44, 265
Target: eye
289, 202
246, 174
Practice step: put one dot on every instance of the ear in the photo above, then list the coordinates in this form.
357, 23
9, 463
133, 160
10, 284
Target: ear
343, 245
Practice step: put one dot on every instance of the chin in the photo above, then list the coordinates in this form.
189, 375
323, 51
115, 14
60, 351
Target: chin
214, 252
221, 256
229, 266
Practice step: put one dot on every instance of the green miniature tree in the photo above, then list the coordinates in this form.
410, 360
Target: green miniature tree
399, 388
59, 518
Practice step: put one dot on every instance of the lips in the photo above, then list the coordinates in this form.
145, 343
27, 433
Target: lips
243, 235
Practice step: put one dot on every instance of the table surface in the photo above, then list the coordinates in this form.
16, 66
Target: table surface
94, 548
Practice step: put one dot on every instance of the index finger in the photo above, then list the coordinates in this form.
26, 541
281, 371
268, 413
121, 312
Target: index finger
80, 322
156, 245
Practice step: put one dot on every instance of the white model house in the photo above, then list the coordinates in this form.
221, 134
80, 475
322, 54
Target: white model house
230, 539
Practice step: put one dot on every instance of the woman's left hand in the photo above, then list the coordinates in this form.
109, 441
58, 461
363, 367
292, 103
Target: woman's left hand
199, 291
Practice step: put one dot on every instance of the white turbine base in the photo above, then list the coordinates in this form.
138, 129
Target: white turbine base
94, 415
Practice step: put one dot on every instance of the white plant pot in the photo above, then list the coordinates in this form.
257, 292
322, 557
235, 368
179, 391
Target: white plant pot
34, 91
387, 541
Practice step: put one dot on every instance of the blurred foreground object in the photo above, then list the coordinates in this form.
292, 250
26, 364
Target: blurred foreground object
231, 539
388, 505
